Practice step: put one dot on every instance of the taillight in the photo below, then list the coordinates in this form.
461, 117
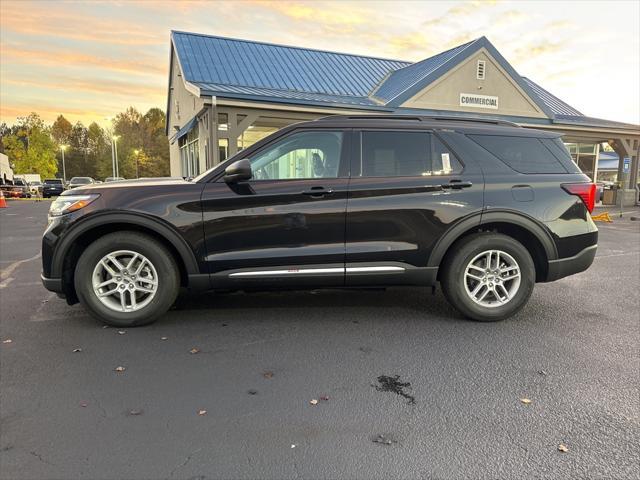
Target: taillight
586, 191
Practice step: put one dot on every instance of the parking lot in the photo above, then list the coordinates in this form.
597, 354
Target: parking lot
221, 387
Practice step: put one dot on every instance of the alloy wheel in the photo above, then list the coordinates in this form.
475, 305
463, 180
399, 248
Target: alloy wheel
125, 281
492, 278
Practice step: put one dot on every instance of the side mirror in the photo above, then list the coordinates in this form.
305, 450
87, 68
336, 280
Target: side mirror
238, 171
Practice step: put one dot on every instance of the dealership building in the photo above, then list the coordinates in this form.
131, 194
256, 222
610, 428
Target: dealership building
225, 94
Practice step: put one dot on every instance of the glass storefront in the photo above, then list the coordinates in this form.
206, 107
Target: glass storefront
190, 153
585, 155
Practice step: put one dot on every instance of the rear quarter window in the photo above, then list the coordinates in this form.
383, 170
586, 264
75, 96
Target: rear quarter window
522, 154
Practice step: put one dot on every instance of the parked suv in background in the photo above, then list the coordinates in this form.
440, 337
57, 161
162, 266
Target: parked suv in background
52, 187
80, 182
485, 208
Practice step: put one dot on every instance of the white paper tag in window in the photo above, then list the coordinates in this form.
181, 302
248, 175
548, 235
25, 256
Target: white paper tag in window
446, 163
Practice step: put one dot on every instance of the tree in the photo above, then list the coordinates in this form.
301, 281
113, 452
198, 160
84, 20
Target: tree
99, 152
31, 149
61, 130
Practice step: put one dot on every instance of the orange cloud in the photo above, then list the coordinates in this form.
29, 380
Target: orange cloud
61, 22
110, 87
327, 14
67, 58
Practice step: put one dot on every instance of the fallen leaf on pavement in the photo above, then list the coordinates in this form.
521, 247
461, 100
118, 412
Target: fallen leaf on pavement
83, 404
542, 372
164, 338
267, 374
313, 401
194, 351
8, 340
119, 369
383, 440
293, 446
135, 412
76, 350
105, 326
325, 398
526, 401
252, 392
563, 448
121, 332
202, 412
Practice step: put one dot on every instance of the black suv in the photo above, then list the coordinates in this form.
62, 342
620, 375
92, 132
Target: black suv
52, 187
486, 208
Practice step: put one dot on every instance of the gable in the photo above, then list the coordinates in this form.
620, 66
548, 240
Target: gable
497, 94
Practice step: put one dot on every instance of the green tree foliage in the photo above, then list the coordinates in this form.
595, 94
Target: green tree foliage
144, 133
30, 148
61, 130
88, 151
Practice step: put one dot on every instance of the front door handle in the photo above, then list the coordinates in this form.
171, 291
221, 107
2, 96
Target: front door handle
456, 185
318, 191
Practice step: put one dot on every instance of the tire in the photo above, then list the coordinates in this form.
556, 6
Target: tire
144, 302
508, 292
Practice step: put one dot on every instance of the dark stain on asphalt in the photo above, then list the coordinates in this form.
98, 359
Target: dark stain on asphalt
394, 385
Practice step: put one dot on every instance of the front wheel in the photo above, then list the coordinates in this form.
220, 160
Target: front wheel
489, 277
126, 279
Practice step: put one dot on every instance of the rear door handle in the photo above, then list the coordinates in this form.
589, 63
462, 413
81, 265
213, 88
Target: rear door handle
318, 191
456, 185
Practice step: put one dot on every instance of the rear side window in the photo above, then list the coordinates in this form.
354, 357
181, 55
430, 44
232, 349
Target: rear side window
59, 182
523, 154
405, 154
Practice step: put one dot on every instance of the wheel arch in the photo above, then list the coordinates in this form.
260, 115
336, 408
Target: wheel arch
528, 231
72, 244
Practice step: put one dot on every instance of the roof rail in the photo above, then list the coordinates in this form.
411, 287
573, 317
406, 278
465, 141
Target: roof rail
372, 116
493, 121
421, 118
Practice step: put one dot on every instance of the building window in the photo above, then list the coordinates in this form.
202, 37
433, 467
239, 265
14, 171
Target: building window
190, 153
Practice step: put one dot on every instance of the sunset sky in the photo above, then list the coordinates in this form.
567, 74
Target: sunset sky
90, 60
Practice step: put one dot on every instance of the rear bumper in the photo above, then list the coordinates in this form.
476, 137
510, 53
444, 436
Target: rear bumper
52, 284
564, 267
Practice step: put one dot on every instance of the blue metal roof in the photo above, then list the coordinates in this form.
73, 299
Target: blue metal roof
184, 130
250, 70
402, 79
242, 63
557, 106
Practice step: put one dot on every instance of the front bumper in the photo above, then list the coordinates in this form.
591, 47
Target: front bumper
564, 267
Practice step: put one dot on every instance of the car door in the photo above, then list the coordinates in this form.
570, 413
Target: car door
285, 226
407, 188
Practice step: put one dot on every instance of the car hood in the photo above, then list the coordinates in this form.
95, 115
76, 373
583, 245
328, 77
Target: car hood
121, 184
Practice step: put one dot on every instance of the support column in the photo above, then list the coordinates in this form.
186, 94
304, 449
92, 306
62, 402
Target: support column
214, 151
627, 147
237, 128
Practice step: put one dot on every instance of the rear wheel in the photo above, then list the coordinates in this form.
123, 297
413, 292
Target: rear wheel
489, 277
127, 279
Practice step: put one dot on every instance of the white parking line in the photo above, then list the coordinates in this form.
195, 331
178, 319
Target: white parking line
4, 274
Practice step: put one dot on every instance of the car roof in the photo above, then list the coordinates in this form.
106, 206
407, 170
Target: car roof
473, 125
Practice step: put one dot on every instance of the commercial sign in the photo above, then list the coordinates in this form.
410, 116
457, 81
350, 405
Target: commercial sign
478, 101
626, 165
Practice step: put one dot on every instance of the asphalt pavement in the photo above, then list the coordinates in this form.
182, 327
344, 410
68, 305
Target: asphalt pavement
221, 387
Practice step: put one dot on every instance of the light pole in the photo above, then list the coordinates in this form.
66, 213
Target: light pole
137, 152
64, 171
114, 148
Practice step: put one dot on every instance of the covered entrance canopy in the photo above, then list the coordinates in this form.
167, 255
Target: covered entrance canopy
236, 92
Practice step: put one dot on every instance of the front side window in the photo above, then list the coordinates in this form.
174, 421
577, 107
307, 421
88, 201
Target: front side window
301, 155
405, 154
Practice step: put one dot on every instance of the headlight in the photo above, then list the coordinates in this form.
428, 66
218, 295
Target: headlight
70, 203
